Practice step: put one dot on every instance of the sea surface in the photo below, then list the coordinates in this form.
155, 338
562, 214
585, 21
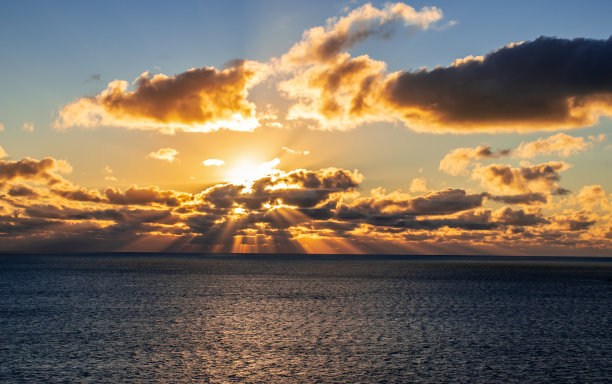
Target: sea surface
313, 319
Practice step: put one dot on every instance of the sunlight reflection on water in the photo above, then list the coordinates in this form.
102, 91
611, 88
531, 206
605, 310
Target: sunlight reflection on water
147, 319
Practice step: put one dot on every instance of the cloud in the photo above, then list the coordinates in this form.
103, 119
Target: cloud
545, 84
3, 153
573, 221
295, 152
28, 127
299, 188
338, 91
144, 196
198, 100
108, 171
291, 211
519, 217
166, 154
442, 202
45, 170
503, 179
418, 184
560, 144
548, 83
1, 127
591, 196
522, 198
457, 161
324, 44
22, 190
213, 162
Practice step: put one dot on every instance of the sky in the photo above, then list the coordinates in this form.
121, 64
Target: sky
440, 127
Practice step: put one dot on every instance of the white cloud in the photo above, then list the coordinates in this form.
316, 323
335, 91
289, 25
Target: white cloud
167, 154
213, 162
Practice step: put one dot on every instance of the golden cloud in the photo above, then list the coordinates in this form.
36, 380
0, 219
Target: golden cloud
540, 178
519, 87
287, 211
198, 100
324, 44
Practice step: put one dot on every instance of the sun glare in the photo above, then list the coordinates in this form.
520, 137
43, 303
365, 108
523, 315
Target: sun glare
248, 171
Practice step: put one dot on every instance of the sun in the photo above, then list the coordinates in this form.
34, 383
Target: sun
247, 171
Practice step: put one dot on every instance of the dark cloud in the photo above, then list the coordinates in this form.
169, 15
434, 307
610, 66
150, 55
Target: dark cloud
44, 170
527, 180
22, 191
519, 217
524, 198
300, 188
545, 83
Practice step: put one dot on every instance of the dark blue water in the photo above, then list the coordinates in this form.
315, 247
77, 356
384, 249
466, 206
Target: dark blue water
266, 320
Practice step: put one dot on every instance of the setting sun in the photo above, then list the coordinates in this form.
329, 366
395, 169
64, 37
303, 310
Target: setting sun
247, 171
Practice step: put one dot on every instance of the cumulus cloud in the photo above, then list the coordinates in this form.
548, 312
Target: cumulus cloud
45, 170
291, 211
323, 44
591, 196
545, 84
457, 161
418, 184
540, 178
144, 196
213, 162
198, 100
548, 83
338, 91
3, 153
560, 144
166, 154
519, 217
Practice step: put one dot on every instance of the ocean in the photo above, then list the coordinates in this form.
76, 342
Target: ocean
145, 318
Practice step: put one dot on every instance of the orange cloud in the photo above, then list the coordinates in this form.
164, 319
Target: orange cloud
3, 153
45, 170
324, 44
541, 178
458, 160
560, 144
545, 84
418, 184
198, 100
291, 211
338, 91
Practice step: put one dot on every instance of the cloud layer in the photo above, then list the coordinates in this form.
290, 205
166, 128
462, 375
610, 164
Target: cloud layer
293, 211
